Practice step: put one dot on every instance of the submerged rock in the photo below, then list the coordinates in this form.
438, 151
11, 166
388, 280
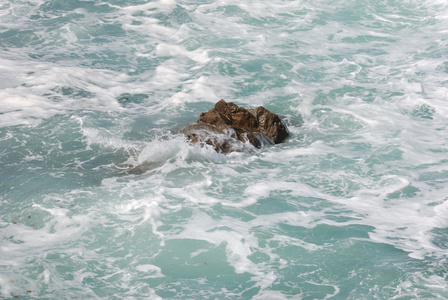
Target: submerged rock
228, 127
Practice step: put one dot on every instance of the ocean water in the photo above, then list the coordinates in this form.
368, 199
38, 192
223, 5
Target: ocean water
102, 198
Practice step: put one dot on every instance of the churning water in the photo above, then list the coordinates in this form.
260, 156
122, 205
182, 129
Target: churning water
354, 205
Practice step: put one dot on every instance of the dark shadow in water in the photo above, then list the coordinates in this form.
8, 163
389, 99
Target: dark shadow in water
138, 169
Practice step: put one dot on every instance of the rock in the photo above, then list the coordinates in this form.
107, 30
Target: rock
228, 127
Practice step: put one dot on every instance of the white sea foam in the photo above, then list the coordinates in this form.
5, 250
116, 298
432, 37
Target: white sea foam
366, 170
33, 96
155, 271
28, 241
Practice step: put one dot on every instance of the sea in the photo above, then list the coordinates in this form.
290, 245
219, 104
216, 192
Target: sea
101, 197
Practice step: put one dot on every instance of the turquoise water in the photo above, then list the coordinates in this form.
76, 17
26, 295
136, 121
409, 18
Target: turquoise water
354, 205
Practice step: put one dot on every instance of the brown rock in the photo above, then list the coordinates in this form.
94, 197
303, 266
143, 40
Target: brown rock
228, 127
271, 125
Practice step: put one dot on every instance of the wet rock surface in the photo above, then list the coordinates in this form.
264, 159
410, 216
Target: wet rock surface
228, 127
